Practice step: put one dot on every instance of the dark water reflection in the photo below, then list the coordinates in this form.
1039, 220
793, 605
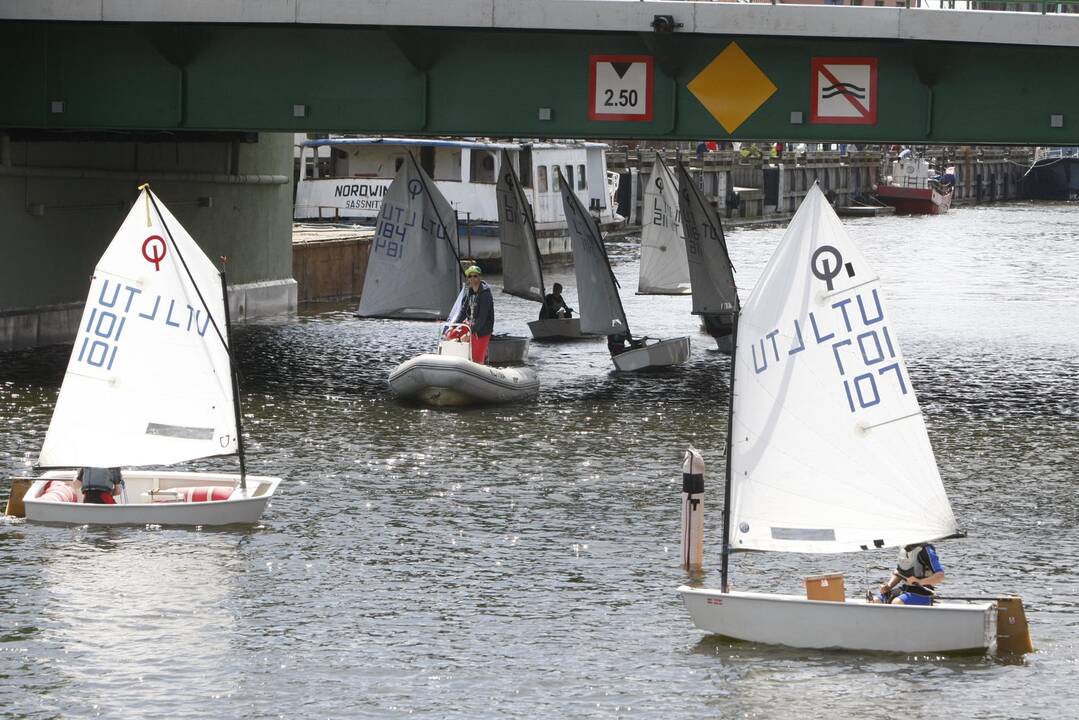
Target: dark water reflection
521, 561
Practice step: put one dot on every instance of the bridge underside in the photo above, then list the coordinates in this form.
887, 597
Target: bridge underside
506, 82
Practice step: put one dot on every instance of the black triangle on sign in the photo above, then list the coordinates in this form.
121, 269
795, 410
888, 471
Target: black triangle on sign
621, 68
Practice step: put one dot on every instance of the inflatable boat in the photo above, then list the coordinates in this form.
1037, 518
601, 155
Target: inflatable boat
449, 378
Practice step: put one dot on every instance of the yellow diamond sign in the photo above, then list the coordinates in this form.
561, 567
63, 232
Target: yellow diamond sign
732, 87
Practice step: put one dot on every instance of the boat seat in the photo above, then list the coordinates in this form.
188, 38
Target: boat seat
59, 492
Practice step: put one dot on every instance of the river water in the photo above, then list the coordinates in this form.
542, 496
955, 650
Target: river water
521, 561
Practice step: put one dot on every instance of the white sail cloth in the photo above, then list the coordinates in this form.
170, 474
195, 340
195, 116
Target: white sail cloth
830, 452
522, 274
413, 272
597, 293
148, 382
664, 268
709, 263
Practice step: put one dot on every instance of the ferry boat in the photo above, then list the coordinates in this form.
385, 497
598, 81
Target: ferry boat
1054, 174
913, 190
465, 171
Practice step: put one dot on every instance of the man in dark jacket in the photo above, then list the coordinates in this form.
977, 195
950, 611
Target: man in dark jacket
554, 305
478, 311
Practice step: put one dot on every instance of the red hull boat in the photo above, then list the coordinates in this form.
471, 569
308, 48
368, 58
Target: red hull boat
914, 200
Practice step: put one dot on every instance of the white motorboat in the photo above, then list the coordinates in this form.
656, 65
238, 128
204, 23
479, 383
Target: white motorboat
153, 498
150, 382
654, 356
828, 452
450, 378
597, 292
715, 295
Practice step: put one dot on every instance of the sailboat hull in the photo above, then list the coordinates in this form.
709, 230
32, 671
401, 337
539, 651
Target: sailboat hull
153, 498
664, 353
794, 621
558, 329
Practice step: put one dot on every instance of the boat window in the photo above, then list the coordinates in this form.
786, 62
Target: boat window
447, 164
483, 166
541, 179
397, 163
525, 169
581, 184
569, 176
554, 178
427, 159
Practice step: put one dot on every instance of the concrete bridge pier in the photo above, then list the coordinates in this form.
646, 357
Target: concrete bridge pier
63, 196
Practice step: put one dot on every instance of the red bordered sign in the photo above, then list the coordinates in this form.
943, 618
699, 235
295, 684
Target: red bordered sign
843, 91
620, 87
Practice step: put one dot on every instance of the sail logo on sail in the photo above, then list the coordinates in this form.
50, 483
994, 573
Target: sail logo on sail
394, 222
664, 215
154, 250
104, 328
824, 271
860, 344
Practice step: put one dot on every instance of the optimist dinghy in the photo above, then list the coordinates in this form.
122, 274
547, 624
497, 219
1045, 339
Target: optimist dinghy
597, 291
715, 296
522, 268
449, 378
828, 452
664, 266
150, 382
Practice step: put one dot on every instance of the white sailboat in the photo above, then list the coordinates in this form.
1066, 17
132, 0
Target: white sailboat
828, 452
522, 268
597, 292
150, 382
417, 275
664, 266
715, 296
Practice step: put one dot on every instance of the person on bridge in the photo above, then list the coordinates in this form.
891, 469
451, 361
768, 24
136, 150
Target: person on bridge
912, 581
478, 313
554, 305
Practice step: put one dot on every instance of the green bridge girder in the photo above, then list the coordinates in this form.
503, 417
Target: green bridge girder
454, 81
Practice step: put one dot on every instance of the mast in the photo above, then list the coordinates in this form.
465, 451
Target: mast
603, 251
727, 473
527, 206
235, 382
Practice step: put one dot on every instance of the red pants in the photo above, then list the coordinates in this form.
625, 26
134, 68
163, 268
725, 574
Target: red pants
479, 348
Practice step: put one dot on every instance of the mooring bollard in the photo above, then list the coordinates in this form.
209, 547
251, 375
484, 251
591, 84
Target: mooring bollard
692, 510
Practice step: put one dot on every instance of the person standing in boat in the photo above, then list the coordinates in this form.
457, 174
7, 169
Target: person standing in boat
912, 581
478, 312
554, 305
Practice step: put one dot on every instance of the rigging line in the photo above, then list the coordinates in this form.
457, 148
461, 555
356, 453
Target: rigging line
438, 215
189, 275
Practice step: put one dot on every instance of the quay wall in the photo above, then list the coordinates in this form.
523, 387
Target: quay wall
764, 188
62, 200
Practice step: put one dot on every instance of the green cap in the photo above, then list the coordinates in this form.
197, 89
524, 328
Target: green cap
473, 270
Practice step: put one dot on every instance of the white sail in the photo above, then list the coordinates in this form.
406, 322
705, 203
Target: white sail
413, 272
148, 382
709, 264
664, 267
522, 274
830, 451
597, 292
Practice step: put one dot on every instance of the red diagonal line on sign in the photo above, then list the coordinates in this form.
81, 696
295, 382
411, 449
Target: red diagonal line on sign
850, 98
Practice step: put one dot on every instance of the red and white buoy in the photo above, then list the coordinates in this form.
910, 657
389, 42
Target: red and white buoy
693, 510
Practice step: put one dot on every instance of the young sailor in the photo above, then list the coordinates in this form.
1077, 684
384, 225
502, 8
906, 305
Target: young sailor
917, 571
99, 485
478, 312
554, 305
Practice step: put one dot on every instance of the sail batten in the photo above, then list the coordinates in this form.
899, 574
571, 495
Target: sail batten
413, 272
146, 369
597, 289
829, 450
522, 272
664, 267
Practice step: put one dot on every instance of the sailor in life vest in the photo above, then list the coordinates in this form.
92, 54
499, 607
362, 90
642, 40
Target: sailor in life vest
912, 581
99, 484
